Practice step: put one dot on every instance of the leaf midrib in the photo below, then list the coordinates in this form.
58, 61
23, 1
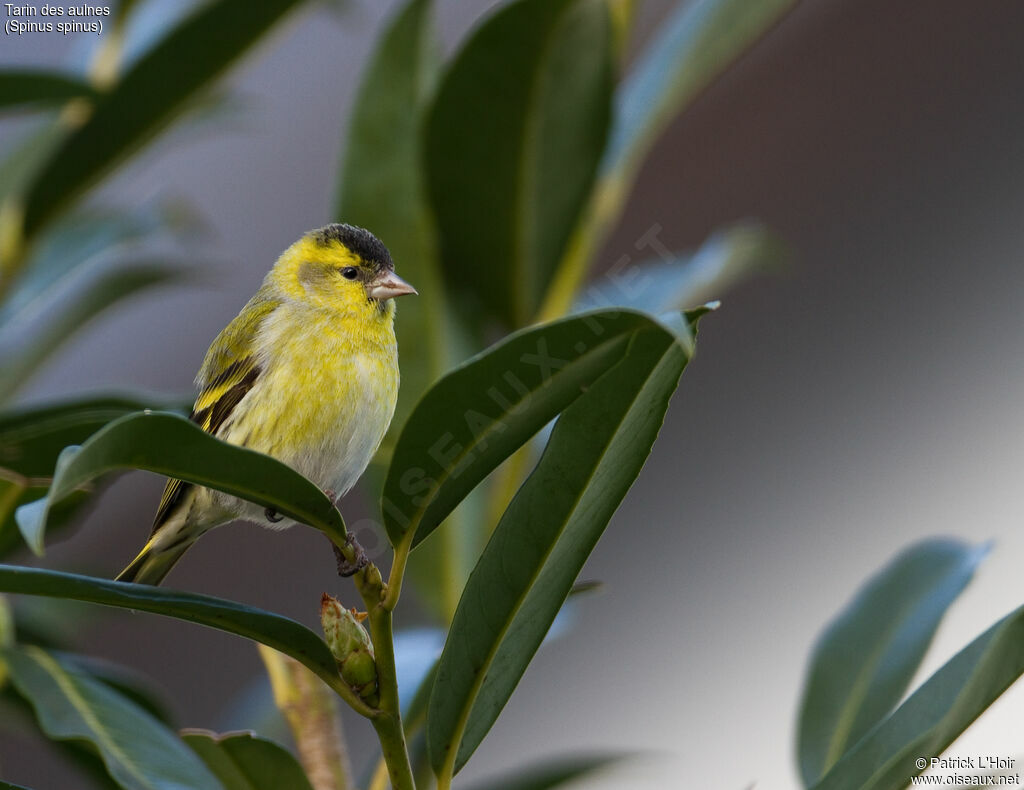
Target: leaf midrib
78, 702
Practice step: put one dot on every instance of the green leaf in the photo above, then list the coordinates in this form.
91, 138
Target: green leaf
173, 446
527, 570
936, 714
147, 97
866, 659
680, 281
380, 187
551, 773
139, 752
8, 786
273, 630
30, 490
513, 144
245, 761
32, 437
693, 47
20, 87
478, 414
127, 681
21, 357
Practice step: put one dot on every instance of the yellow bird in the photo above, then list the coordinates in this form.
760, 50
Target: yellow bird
306, 373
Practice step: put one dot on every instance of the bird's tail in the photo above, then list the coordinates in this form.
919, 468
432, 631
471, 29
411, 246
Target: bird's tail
154, 562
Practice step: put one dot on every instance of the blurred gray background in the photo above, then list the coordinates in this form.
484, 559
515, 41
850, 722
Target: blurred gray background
865, 398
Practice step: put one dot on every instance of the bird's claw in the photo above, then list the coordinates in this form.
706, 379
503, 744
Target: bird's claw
345, 567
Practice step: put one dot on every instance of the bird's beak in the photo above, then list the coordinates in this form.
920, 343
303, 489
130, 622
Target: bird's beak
388, 286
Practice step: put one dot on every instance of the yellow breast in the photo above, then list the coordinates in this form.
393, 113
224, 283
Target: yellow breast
325, 395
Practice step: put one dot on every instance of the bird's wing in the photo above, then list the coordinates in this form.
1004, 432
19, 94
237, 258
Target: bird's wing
229, 371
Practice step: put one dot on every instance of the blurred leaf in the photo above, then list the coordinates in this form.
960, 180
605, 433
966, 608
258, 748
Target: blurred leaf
478, 414
127, 681
380, 187
147, 97
17, 170
680, 281
245, 761
20, 87
8, 786
32, 437
79, 238
936, 714
273, 630
139, 752
512, 147
173, 446
693, 47
622, 13
551, 773
527, 570
864, 662
18, 716
20, 357
65, 514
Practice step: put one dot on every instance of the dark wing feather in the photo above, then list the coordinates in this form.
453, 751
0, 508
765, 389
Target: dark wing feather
212, 409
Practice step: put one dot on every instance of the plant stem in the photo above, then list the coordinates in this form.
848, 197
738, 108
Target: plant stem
398, 565
388, 724
387, 718
379, 780
312, 716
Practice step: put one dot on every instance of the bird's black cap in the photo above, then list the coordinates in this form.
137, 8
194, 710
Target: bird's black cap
359, 240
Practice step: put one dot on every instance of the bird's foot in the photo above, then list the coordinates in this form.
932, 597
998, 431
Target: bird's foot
272, 515
329, 493
348, 568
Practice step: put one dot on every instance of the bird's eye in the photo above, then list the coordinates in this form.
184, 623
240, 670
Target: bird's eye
350, 272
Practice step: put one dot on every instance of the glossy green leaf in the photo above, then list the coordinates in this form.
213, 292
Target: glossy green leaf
513, 144
693, 47
380, 187
35, 87
147, 97
482, 411
864, 662
245, 761
551, 773
32, 437
676, 282
64, 515
139, 752
273, 630
8, 786
936, 714
21, 357
173, 446
596, 450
